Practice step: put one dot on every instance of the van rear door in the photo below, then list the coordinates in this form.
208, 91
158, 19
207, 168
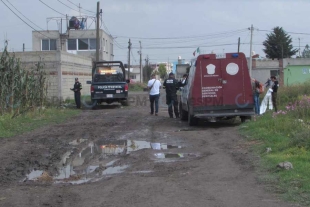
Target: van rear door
211, 85
236, 89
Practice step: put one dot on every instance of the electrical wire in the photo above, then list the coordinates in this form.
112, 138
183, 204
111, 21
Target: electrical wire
24, 15
184, 37
133, 56
69, 7
81, 7
52, 8
23, 20
300, 33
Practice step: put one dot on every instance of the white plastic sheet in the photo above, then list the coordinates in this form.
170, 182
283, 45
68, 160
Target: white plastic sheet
267, 102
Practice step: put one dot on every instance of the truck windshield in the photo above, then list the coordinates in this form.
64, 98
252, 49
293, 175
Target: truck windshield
108, 74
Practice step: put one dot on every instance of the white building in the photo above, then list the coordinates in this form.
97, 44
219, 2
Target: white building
80, 42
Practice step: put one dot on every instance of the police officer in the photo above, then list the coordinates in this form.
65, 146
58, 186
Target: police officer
77, 92
172, 85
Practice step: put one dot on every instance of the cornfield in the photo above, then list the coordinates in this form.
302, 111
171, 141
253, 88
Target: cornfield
21, 90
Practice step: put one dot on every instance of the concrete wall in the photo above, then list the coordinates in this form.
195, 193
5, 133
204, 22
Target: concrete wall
38, 36
74, 66
61, 68
50, 61
262, 69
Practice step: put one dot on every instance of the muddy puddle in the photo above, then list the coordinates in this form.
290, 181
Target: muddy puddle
96, 160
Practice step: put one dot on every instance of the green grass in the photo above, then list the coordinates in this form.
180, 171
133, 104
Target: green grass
288, 135
32, 120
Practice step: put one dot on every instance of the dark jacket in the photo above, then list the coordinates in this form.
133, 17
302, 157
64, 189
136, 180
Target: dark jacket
171, 85
77, 87
275, 86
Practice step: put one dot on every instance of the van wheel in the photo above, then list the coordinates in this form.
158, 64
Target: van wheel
243, 118
183, 113
192, 121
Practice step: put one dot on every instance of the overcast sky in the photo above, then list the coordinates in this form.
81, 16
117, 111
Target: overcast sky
182, 25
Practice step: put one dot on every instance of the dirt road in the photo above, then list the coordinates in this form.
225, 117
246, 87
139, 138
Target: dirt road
122, 156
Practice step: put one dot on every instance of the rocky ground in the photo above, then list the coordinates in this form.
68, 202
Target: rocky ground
122, 156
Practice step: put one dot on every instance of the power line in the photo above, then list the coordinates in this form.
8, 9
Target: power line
23, 20
52, 8
184, 37
24, 15
69, 6
81, 7
133, 56
300, 33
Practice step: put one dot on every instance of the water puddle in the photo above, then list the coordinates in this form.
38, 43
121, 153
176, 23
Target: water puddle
95, 161
127, 146
173, 155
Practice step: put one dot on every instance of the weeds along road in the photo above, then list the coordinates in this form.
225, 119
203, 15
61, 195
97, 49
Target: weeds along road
122, 156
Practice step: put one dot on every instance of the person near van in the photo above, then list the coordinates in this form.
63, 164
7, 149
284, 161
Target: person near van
274, 92
77, 87
267, 101
255, 89
154, 86
172, 86
183, 80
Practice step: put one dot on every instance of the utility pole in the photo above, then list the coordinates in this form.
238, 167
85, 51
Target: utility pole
250, 65
80, 9
97, 33
238, 44
23, 47
141, 72
129, 50
299, 46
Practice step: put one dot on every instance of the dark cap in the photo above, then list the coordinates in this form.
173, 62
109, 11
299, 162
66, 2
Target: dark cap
76, 79
170, 74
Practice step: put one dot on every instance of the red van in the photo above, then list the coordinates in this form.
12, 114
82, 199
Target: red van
218, 87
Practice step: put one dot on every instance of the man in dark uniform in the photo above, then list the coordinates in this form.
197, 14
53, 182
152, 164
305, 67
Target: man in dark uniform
171, 85
274, 92
77, 92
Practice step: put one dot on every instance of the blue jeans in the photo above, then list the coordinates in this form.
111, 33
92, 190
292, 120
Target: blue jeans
256, 103
154, 99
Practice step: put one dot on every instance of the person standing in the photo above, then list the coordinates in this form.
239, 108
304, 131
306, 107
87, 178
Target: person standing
77, 87
255, 89
172, 85
183, 81
274, 92
154, 86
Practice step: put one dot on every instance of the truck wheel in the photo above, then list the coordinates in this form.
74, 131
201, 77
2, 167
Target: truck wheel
183, 113
125, 102
94, 104
192, 121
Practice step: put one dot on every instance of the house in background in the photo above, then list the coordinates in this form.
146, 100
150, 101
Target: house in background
79, 42
296, 70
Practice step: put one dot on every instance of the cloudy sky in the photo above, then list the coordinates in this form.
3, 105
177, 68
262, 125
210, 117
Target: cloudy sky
166, 28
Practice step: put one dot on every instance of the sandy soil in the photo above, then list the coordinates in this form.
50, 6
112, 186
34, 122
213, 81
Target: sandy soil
122, 156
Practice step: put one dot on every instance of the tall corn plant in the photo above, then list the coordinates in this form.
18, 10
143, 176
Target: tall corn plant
20, 89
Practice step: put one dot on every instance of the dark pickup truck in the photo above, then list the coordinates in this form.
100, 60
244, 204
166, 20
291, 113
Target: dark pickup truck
108, 83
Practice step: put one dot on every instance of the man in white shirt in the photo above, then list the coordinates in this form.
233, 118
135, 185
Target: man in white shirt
154, 86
